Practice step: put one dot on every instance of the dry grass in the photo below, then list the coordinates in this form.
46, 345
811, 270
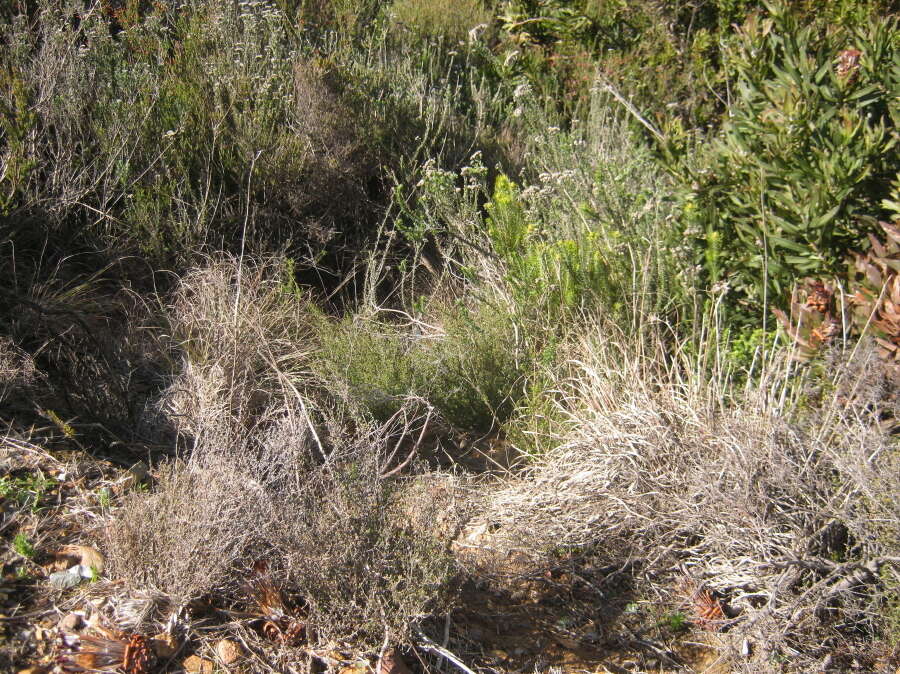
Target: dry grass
16, 367
791, 518
428, 19
243, 339
273, 476
780, 502
361, 549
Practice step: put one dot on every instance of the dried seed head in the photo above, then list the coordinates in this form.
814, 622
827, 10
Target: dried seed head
129, 653
848, 64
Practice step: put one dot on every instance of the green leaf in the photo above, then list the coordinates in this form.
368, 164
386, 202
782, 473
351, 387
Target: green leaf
790, 245
824, 220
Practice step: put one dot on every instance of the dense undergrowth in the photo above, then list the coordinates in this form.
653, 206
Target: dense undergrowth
402, 299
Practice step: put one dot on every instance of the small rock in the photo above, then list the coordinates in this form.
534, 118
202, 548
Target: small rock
63, 580
72, 622
164, 645
194, 664
392, 663
228, 651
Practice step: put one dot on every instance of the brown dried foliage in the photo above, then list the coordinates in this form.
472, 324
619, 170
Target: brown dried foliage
110, 650
281, 621
819, 313
876, 292
706, 609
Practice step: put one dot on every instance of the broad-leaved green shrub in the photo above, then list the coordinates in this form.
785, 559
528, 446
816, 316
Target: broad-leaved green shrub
809, 146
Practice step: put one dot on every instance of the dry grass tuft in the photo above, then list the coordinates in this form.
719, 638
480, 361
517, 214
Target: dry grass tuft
318, 497
790, 515
17, 367
364, 555
243, 339
189, 536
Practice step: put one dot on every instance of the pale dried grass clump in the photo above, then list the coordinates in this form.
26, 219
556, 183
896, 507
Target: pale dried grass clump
191, 534
17, 367
243, 333
331, 522
369, 566
790, 514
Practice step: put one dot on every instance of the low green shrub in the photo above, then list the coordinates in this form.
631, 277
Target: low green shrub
470, 367
809, 146
369, 363
479, 366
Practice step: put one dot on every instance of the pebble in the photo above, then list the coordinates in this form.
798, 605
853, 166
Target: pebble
72, 622
228, 651
63, 580
194, 664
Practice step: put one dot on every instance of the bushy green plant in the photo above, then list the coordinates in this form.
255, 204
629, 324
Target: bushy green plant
23, 546
587, 229
470, 369
808, 147
559, 274
17, 123
593, 222
26, 491
478, 368
370, 362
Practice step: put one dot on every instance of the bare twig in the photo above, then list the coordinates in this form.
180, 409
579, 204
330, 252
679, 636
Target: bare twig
429, 645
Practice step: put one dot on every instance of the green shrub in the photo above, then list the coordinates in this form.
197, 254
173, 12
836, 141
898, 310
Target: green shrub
470, 368
809, 146
23, 546
587, 230
368, 362
478, 368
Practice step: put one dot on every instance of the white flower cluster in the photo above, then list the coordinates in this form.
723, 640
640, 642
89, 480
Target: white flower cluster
522, 91
557, 177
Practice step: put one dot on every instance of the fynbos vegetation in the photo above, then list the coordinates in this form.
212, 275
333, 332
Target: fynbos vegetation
491, 335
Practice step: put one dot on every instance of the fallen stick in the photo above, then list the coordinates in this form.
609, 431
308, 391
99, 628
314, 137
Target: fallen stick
430, 645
